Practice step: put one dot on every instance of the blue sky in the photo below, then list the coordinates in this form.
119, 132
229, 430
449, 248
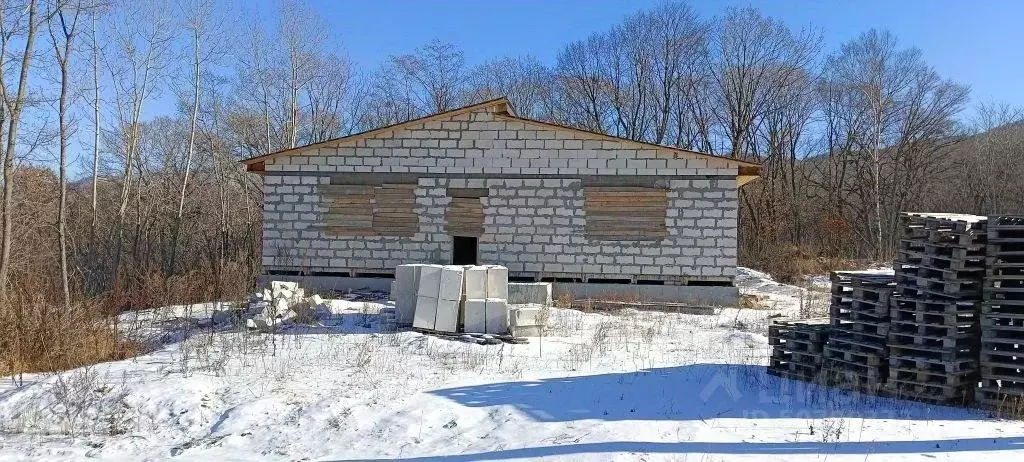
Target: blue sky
974, 42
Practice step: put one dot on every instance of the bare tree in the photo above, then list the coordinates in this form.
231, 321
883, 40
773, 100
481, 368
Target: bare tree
13, 105
63, 27
436, 74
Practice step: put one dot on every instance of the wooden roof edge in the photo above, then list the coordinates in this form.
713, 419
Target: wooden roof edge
501, 106
646, 145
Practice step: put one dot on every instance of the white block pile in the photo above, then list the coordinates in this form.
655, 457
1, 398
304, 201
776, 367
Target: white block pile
283, 303
438, 297
485, 308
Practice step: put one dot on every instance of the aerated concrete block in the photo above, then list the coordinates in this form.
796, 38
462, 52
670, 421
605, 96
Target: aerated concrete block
447, 319
450, 286
523, 293
430, 281
527, 316
475, 315
476, 282
426, 313
406, 289
497, 282
497, 316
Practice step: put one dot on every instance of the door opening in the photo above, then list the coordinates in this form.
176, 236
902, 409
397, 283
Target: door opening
464, 250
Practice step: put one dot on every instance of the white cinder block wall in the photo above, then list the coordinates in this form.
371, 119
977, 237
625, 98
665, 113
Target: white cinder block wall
534, 216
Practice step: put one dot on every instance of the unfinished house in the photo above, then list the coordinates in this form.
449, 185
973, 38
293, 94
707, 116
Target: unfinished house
590, 212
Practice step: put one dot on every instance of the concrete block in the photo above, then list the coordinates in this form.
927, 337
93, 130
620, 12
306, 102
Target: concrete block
426, 313
474, 315
405, 290
430, 281
497, 316
522, 293
527, 316
526, 331
447, 319
451, 280
476, 282
497, 282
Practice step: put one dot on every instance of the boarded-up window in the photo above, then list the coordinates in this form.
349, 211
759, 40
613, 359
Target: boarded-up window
465, 217
625, 213
370, 210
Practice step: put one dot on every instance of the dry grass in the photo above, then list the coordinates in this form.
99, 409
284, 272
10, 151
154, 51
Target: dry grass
39, 335
792, 264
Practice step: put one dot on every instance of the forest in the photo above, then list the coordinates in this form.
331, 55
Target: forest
114, 199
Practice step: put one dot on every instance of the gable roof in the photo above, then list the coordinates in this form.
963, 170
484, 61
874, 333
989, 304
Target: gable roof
502, 108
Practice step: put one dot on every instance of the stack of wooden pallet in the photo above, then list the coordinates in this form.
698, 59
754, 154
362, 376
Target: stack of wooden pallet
855, 355
1002, 319
796, 348
934, 333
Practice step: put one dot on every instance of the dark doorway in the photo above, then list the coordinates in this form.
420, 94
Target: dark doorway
463, 250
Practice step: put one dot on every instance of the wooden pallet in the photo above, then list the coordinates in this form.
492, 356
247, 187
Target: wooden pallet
914, 362
956, 330
927, 317
943, 286
934, 342
877, 314
875, 328
929, 377
930, 352
939, 261
858, 358
998, 399
904, 271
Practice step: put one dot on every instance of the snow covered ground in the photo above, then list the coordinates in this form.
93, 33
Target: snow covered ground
624, 386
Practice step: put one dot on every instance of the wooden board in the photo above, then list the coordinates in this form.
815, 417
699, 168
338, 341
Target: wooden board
465, 217
625, 213
369, 210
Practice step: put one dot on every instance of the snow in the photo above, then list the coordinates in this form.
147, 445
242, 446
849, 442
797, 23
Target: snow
624, 386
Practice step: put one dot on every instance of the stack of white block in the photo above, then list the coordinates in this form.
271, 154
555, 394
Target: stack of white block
435, 296
485, 309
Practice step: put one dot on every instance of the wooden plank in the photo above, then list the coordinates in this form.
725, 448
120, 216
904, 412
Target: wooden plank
467, 192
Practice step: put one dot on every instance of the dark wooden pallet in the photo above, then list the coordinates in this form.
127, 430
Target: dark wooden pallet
914, 362
815, 377
944, 221
928, 377
781, 330
992, 336
925, 391
832, 365
930, 305
1005, 271
1003, 374
853, 380
939, 261
929, 352
857, 341
1002, 308
852, 357
905, 271
1001, 355
878, 329
948, 286
1005, 247
938, 292
800, 346
860, 304
878, 314
928, 317
1000, 400
958, 330
797, 357
936, 342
